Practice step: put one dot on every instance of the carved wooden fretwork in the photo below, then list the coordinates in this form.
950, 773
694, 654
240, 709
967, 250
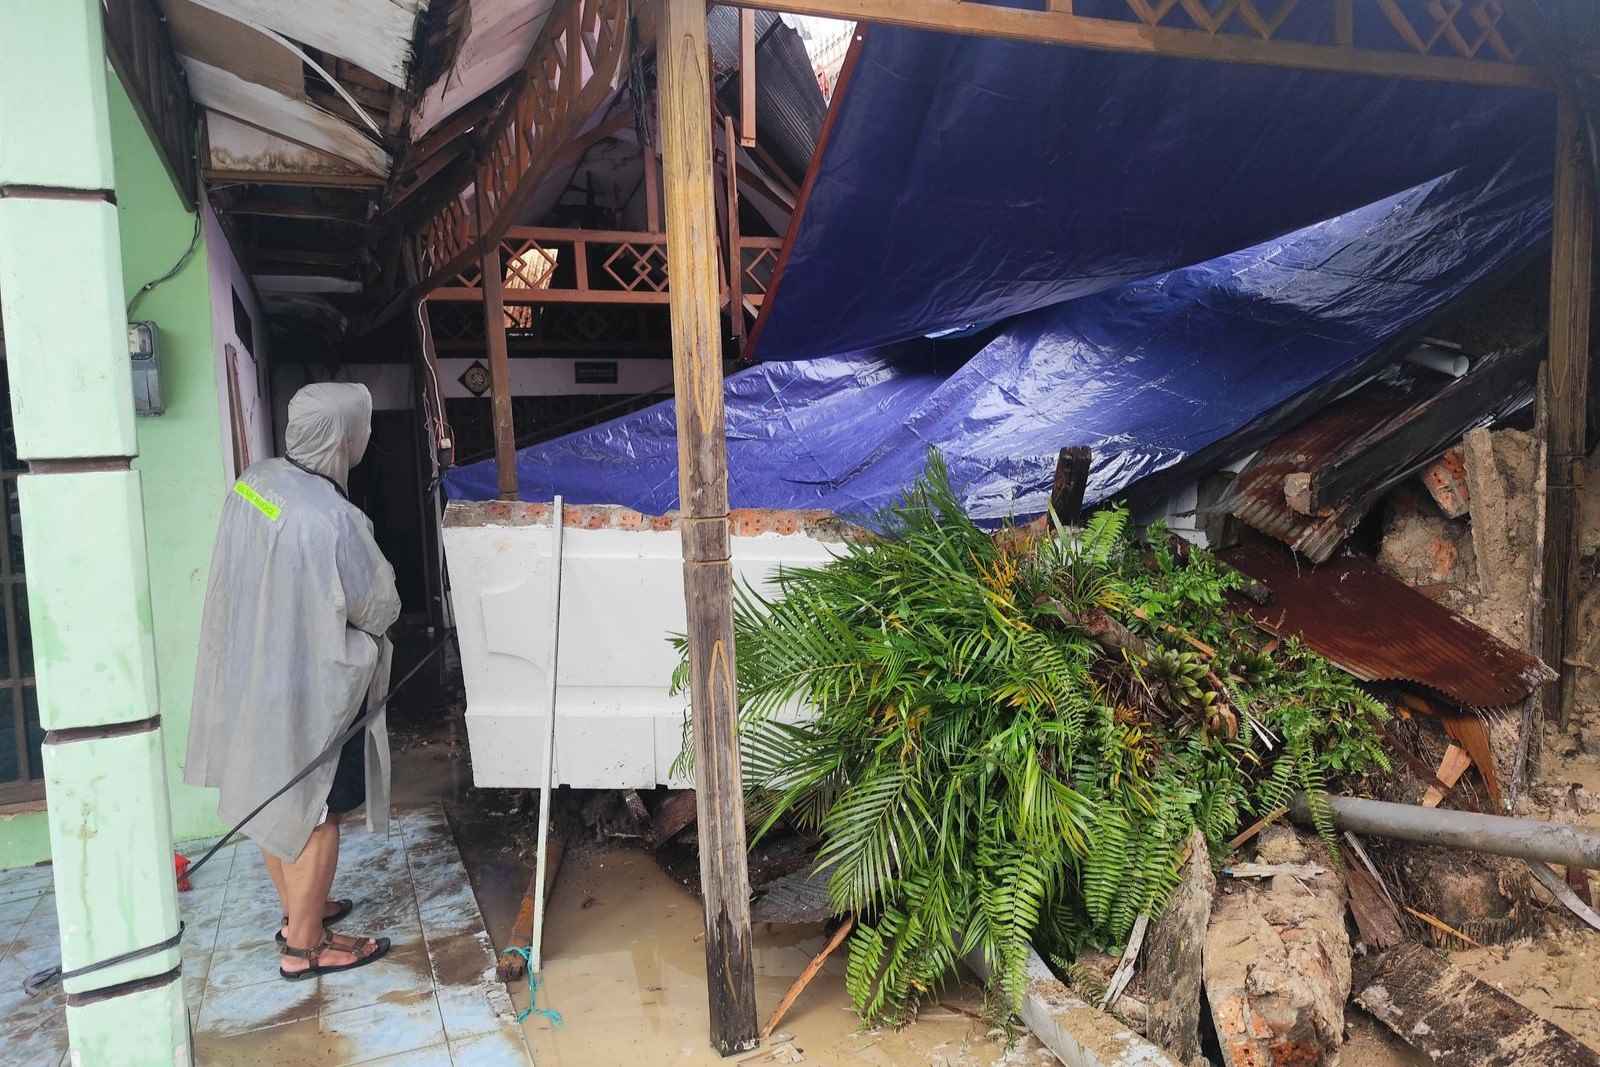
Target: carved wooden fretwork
574, 68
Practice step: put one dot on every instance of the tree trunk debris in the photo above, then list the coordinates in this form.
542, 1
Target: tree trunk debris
1453, 1018
1173, 961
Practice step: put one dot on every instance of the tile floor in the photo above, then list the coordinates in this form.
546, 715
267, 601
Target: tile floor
432, 1002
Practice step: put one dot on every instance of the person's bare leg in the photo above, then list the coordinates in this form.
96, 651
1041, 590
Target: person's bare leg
275, 872
306, 884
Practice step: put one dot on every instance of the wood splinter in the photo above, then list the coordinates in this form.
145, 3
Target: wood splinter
807, 975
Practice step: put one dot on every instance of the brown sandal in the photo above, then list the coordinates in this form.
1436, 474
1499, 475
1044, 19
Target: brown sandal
380, 948
345, 907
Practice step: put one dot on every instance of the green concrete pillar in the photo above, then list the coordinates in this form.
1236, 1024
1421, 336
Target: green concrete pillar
83, 531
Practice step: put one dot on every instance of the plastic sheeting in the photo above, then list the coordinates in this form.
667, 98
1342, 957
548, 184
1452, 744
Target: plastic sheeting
968, 180
1179, 367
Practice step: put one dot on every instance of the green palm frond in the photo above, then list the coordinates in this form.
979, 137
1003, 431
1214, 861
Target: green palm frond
983, 776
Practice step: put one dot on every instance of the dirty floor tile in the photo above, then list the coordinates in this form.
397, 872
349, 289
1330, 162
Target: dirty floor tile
435, 987
241, 1009
502, 1048
390, 1026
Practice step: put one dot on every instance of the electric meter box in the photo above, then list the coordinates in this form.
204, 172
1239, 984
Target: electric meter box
142, 354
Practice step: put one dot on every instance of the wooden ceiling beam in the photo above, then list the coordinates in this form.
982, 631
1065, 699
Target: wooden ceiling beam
218, 175
288, 210
1144, 32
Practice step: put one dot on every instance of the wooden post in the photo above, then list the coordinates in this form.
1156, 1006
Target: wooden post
735, 256
494, 332
747, 77
1573, 241
652, 191
684, 89
1072, 478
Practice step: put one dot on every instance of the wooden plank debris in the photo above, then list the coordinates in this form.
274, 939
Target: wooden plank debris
1172, 964
1572, 262
1471, 734
1079, 1034
1453, 1018
1072, 478
1531, 726
1451, 768
510, 965
1375, 916
1563, 892
672, 816
1441, 926
1409, 440
1272, 870
798, 986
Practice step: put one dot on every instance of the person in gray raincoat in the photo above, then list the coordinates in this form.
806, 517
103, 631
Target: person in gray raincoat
292, 647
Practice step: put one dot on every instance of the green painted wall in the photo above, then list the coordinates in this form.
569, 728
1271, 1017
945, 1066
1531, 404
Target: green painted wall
180, 458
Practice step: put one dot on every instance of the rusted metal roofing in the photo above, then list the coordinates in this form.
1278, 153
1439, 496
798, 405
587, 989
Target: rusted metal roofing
1381, 630
1256, 496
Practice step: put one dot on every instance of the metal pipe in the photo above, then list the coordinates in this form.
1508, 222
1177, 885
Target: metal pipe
1528, 839
536, 948
1452, 363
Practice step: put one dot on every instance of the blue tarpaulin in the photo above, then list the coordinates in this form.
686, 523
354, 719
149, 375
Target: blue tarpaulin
970, 180
1149, 374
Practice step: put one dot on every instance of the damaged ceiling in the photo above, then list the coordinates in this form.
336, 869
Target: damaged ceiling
309, 109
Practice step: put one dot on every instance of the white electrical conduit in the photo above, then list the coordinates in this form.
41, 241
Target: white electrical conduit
333, 82
537, 946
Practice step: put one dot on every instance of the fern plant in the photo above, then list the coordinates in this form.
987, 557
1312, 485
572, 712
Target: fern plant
983, 773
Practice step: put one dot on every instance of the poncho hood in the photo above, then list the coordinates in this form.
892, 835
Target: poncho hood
329, 426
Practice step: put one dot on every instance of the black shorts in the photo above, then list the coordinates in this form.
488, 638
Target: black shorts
349, 790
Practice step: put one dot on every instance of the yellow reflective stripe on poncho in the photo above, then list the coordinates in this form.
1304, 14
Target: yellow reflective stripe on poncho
259, 502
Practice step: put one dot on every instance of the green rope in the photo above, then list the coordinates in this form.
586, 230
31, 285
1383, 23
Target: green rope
533, 991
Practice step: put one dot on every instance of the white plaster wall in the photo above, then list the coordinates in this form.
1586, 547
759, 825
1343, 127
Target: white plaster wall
225, 277
554, 376
621, 596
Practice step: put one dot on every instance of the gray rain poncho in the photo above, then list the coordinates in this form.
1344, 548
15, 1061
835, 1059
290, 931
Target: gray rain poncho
292, 640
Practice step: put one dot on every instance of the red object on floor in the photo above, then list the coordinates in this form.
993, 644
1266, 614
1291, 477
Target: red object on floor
180, 863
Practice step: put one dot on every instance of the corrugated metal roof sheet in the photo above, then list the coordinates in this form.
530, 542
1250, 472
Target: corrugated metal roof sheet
1256, 496
789, 104
1379, 629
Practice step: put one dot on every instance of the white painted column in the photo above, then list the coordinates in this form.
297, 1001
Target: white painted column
83, 530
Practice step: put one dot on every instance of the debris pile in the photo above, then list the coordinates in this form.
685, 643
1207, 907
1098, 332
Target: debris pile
1013, 738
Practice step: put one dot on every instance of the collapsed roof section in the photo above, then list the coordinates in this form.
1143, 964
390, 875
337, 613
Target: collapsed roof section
1170, 372
968, 180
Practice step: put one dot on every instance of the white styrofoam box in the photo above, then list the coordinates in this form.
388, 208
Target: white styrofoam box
621, 597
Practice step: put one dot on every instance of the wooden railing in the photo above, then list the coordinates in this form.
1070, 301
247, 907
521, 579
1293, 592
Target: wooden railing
546, 265
575, 66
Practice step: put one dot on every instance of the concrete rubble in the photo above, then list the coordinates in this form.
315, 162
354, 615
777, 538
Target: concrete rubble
1277, 962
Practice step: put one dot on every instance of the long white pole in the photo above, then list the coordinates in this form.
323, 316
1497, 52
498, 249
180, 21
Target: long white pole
549, 741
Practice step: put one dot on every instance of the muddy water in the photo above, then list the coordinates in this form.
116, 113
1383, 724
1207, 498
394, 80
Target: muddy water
625, 967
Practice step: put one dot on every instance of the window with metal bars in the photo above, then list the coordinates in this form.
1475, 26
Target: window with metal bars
21, 775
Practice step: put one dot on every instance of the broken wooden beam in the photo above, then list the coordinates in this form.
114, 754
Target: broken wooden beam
1571, 267
672, 816
511, 966
1076, 1032
1451, 768
1406, 442
1172, 966
1453, 1018
798, 986
1071, 480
